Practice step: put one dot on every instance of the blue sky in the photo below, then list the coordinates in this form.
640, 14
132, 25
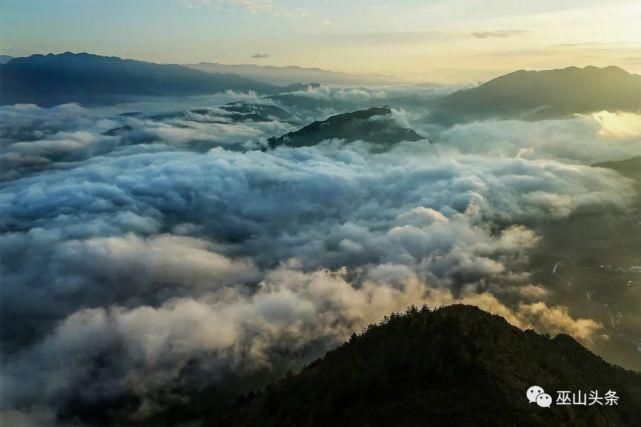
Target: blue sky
437, 40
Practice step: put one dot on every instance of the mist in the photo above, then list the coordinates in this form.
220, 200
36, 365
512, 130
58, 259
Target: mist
155, 249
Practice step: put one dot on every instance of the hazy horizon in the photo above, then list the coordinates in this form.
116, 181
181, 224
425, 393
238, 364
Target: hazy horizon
389, 79
436, 41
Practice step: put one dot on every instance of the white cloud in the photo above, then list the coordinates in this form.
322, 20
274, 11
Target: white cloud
250, 6
144, 251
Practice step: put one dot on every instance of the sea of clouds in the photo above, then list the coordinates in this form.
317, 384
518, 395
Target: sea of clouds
146, 247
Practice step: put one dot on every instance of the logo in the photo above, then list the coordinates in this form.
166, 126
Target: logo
537, 394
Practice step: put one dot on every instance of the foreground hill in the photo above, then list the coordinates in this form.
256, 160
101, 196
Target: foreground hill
543, 94
373, 125
456, 366
69, 77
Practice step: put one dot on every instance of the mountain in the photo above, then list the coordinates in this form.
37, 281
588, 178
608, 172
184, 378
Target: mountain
630, 168
297, 87
243, 111
538, 95
69, 77
292, 74
374, 125
456, 366
233, 111
5, 58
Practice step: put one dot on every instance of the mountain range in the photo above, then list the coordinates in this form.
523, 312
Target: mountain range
455, 366
529, 95
80, 77
292, 74
534, 95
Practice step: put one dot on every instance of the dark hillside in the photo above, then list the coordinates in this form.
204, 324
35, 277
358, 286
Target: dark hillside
92, 79
373, 125
456, 366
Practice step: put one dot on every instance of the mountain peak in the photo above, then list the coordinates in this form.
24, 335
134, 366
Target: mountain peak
535, 95
373, 125
456, 365
589, 70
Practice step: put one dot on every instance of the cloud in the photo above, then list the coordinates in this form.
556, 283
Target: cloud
393, 38
584, 139
251, 6
34, 138
619, 126
156, 304
497, 34
260, 55
32, 417
148, 347
150, 262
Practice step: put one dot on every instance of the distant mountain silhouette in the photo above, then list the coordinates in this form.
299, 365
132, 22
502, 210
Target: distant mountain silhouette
373, 125
292, 74
233, 111
534, 95
69, 77
630, 168
295, 87
456, 366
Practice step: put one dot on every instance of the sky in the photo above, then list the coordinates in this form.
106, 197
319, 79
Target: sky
433, 40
